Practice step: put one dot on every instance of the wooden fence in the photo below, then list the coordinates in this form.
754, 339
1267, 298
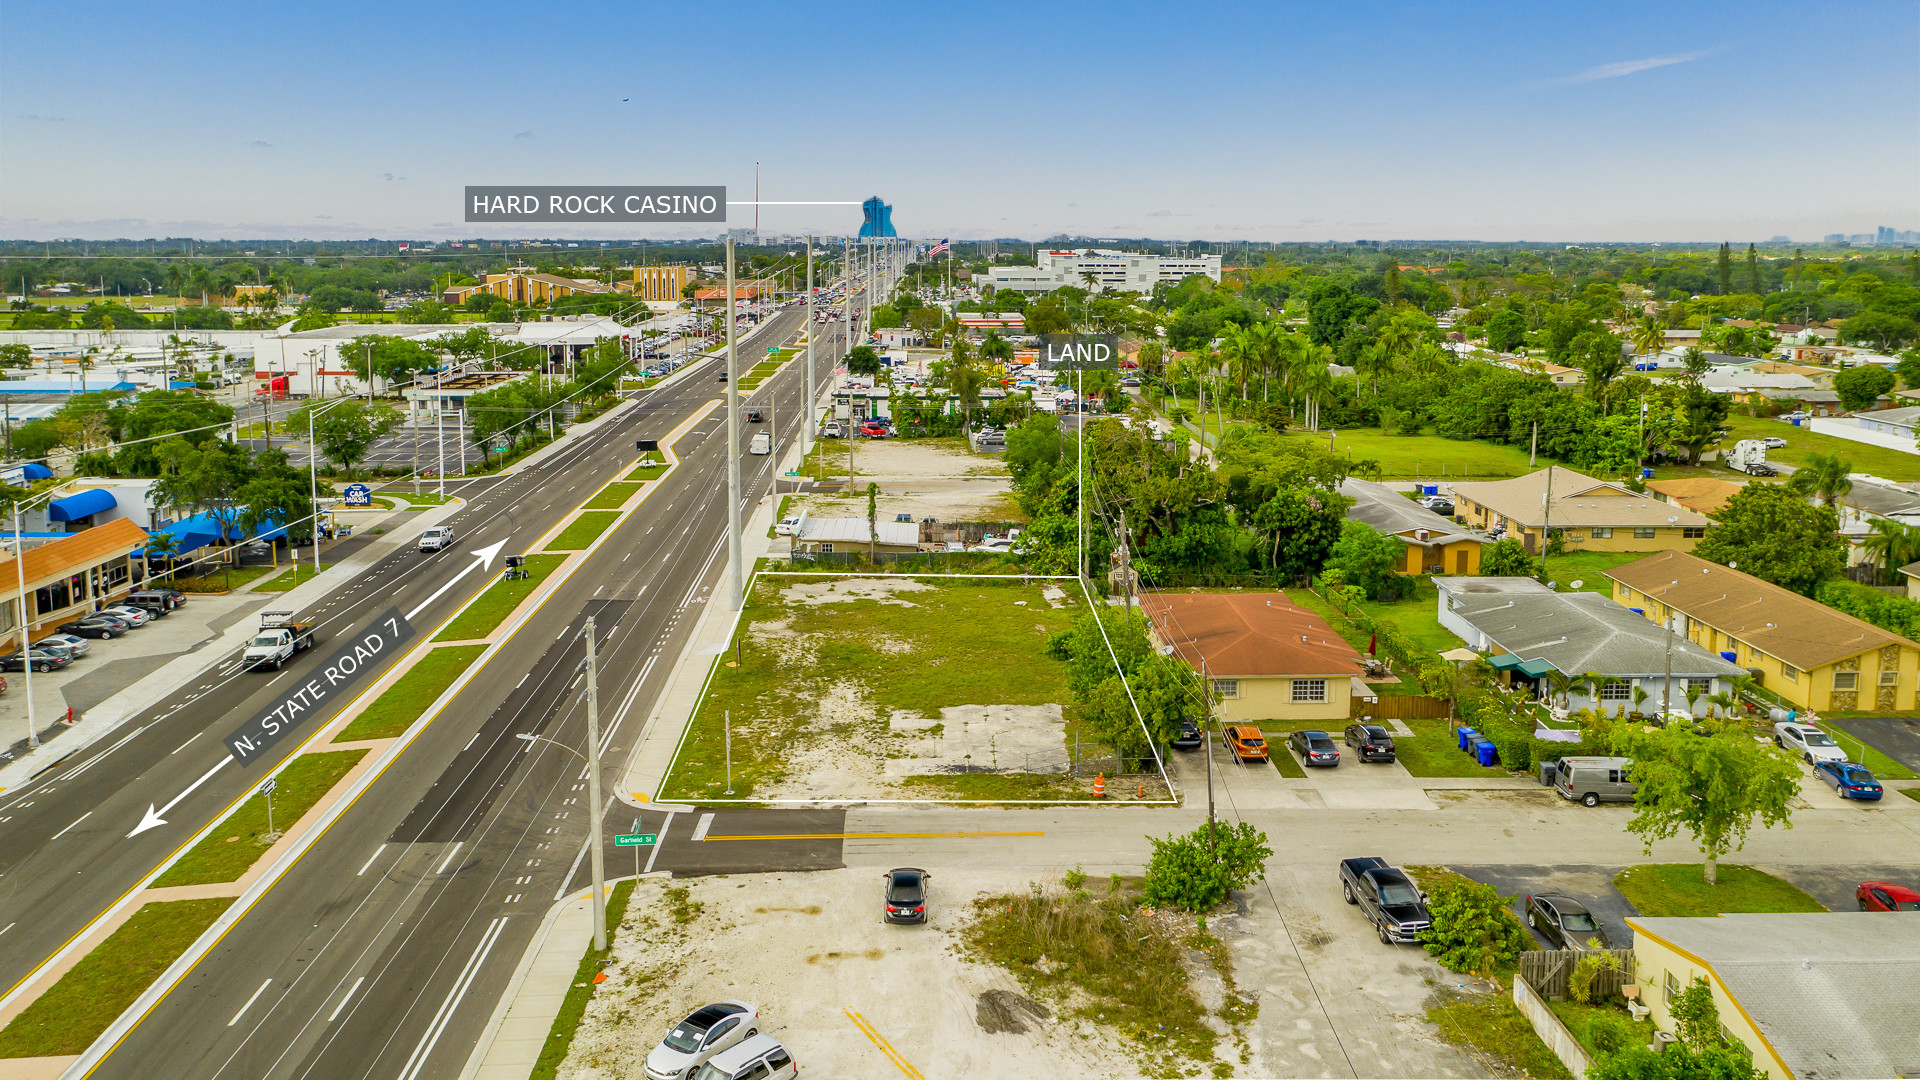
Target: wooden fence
1548, 970
1398, 707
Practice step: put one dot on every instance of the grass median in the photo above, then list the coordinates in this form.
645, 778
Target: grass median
613, 496
1662, 889
574, 1006
401, 704
494, 605
239, 841
74, 1011
584, 530
300, 575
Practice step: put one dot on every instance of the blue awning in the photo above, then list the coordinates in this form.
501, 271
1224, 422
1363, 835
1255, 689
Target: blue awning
85, 504
202, 529
36, 472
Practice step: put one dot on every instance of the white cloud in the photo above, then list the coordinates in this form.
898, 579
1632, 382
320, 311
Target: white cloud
1632, 67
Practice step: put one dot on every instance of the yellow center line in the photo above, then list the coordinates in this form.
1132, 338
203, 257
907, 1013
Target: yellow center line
867, 1029
870, 835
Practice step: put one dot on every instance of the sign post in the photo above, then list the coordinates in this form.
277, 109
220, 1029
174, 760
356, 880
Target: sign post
266, 790
636, 841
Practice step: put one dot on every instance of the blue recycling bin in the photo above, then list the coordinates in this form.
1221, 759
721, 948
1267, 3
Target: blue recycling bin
1430, 489
1465, 736
1484, 752
1646, 474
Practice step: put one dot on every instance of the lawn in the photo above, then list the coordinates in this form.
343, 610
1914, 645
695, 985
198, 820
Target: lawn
1429, 457
219, 579
1875, 460
646, 470
1578, 1017
301, 574
1662, 889
1417, 616
74, 1011
574, 1006
1435, 751
1589, 568
1911, 793
862, 659
239, 841
494, 605
401, 704
425, 498
613, 496
583, 531
1878, 763
1493, 1026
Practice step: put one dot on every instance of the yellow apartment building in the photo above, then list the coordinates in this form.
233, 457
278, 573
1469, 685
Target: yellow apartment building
658, 283
1589, 514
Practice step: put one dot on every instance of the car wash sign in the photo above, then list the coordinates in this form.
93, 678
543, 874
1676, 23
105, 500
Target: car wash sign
1080, 352
329, 684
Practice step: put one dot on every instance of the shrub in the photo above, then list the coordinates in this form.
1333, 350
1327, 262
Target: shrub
1474, 928
1696, 1019
1189, 872
1610, 1033
1580, 979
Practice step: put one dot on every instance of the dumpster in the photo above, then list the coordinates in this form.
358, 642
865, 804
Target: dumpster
1546, 772
1465, 736
1484, 752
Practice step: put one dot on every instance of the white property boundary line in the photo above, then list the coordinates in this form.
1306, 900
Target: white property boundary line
1173, 798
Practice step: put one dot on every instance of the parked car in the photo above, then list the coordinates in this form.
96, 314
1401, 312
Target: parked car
74, 643
152, 601
873, 430
786, 525
1774, 442
1370, 742
1189, 737
1849, 781
1885, 896
129, 614
1387, 897
1800, 414
723, 377
57, 648
41, 659
906, 894
1591, 781
1807, 742
758, 1058
1565, 922
1244, 741
96, 626
1315, 748
705, 1032
833, 429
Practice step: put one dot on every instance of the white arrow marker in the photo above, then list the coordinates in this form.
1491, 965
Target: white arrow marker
153, 820
485, 555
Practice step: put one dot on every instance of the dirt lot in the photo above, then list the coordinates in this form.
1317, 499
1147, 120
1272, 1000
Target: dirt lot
805, 949
937, 478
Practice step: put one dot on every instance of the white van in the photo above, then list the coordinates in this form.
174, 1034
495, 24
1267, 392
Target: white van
762, 444
1591, 781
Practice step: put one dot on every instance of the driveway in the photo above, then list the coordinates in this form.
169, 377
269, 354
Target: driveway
1591, 885
1834, 885
1898, 739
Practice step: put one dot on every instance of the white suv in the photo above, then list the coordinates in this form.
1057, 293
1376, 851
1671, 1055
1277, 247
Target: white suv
436, 538
1807, 742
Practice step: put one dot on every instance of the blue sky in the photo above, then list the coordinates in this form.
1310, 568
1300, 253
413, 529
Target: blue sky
1222, 121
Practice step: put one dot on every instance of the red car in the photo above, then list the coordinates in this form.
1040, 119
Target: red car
1881, 896
872, 430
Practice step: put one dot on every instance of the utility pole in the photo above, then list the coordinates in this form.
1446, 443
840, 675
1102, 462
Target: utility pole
1666, 687
593, 792
1533, 447
1206, 697
806, 429
1126, 564
735, 596
1546, 522
1080, 469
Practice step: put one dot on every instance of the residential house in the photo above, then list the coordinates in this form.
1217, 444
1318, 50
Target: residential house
1700, 494
1749, 386
1801, 996
1435, 545
1533, 631
1891, 428
852, 536
1872, 499
1589, 514
1268, 658
65, 579
1911, 572
1806, 652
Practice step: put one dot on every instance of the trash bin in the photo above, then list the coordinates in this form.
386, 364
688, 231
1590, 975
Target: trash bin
1646, 474
1465, 735
1484, 752
1546, 773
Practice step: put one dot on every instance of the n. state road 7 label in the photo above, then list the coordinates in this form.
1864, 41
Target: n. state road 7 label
364, 652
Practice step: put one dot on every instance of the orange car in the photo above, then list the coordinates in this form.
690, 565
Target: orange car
1244, 741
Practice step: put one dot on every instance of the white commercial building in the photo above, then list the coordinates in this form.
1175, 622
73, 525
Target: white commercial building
326, 357
1112, 271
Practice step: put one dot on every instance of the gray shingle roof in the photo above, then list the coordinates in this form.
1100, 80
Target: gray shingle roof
1391, 512
853, 530
1836, 994
1580, 632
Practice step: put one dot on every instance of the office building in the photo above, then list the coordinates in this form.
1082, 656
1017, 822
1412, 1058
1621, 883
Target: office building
1103, 271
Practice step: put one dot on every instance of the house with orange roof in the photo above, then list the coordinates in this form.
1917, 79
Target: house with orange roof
1265, 657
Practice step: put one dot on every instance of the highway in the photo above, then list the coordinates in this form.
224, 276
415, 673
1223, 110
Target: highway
455, 853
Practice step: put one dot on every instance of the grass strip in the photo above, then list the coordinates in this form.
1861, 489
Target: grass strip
238, 843
74, 1011
613, 496
1493, 1025
1662, 889
1911, 793
494, 605
574, 1006
1435, 750
1882, 766
220, 580
302, 574
402, 703
584, 530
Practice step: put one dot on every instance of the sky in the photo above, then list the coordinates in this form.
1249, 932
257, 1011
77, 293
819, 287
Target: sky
1222, 121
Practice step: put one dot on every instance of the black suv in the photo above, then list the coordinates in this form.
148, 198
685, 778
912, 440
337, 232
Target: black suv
1370, 742
1189, 738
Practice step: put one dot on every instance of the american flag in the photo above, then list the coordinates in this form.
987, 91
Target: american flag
937, 248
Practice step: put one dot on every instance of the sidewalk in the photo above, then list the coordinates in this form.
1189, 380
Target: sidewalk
107, 717
510, 1044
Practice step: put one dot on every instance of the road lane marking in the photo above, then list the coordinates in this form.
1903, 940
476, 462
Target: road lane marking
370, 858
659, 841
424, 1051
184, 745
700, 828
249, 1004
351, 990
700, 834
10, 926
69, 828
449, 858
885, 1047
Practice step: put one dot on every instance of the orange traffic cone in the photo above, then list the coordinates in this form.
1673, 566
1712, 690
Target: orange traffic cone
1100, 785
1142, 793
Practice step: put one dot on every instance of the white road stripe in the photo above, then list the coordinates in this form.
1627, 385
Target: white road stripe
370, 858
424, 1051
700, 829
351, 990
449, 858
659, 841
69, 828
249, 1004
184, 745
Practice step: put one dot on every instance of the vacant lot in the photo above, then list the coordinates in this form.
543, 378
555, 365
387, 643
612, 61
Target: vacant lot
1430, 457
1873, 460
846, 686
936, 478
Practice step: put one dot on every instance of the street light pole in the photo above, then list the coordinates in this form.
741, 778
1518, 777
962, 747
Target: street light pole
735, 596
806, 428
593, 791
26, 666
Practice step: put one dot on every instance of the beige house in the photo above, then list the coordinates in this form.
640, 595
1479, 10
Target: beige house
1589, 514
1809, 996
1700, 494
1267, 659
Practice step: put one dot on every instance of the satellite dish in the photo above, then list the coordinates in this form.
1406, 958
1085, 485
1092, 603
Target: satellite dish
1575, 583
1550, 585
1166, 650
1733, 566
1671, 518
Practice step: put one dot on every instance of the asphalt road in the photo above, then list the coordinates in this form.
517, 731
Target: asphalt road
383, 950
1897, 738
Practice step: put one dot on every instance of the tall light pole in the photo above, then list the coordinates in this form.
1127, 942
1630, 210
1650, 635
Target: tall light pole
592, 758
735, 596
806, 429
313, 479
20, 581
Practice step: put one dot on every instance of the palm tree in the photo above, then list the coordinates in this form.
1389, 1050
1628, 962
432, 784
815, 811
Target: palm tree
1824, 477
1724, 701
1890, 544
1649, 337
1313, 379
1240, 349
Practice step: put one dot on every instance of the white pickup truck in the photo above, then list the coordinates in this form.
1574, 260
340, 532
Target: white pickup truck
279, 638
437, 538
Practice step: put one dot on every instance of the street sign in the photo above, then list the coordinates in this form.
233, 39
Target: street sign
267, 788
358, 495
771, 349
638, 839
